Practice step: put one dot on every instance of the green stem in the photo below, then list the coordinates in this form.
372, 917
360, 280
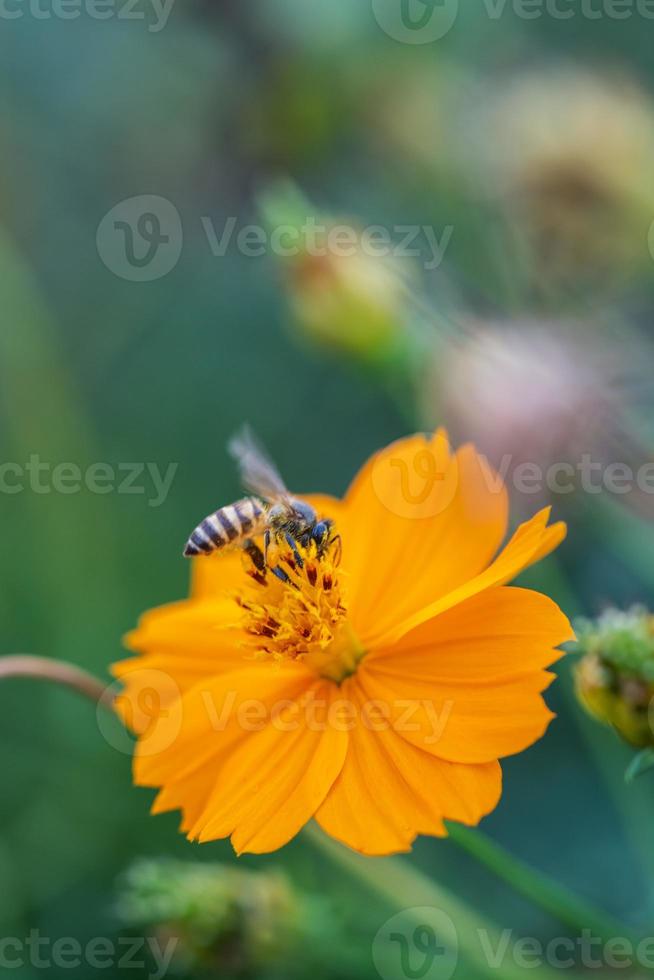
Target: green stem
541, 890
403, 886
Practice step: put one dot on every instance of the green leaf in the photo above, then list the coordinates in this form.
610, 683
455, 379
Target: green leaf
639, 764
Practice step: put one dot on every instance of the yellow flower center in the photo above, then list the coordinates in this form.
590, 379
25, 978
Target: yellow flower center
299, 612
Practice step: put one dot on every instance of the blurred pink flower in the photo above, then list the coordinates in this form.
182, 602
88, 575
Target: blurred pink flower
552, 398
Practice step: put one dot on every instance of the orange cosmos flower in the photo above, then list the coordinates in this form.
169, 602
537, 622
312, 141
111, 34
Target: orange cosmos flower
376, 695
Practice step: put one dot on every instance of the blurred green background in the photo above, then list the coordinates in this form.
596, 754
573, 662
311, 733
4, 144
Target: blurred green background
209, 112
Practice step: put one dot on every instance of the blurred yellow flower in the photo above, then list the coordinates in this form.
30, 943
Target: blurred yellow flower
568, 153
347, 291
376, 695
353, 303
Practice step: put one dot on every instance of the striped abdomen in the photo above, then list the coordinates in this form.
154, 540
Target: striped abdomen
229, 525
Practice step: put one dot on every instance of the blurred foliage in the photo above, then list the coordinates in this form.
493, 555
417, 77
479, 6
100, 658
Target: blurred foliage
236, 923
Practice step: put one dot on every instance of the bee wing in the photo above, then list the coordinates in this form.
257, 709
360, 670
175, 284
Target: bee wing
259, 474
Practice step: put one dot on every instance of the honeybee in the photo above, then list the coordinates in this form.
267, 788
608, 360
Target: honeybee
271, 511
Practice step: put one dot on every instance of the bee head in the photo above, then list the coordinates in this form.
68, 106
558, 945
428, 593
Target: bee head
304, 514
296, 517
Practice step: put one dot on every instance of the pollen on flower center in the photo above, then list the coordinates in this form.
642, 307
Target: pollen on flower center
299, 613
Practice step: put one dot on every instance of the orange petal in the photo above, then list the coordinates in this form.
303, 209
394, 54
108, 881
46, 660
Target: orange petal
190, 639
151, 689
499, 634
214, 576
459, 721
210, 717
532, 541
253, 757
419, 522
388, 791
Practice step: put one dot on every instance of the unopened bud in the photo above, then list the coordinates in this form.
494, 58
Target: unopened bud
615, 677
346, 295
225, 921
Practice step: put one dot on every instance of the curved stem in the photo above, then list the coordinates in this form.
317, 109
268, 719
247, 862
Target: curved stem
541, 890
57, 672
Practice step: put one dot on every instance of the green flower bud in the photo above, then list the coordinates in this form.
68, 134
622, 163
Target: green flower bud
227, 922
346, 292
352, 304
615, 677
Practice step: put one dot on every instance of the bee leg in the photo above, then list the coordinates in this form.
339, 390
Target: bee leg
338, 554
280, 574
293, 546
254, 552
258, 566
277, 571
